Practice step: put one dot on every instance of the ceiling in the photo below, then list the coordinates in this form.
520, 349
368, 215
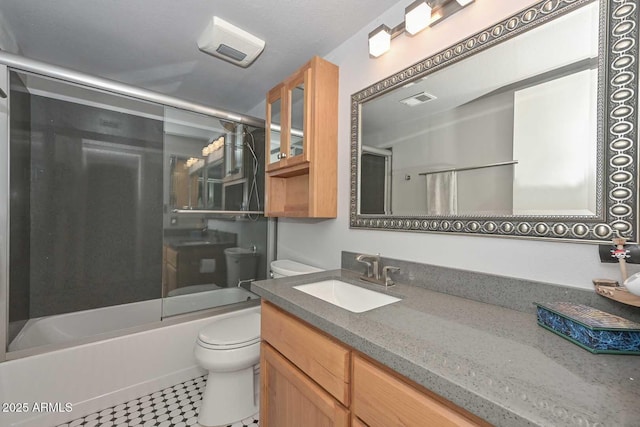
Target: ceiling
152, 43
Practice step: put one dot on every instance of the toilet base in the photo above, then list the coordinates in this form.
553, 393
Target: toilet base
229, 397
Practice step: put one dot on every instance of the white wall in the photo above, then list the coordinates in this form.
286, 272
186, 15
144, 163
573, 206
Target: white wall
320, 242
566, 147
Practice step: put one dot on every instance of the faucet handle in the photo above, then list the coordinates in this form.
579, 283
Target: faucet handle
385, 274
371, 261
368, 264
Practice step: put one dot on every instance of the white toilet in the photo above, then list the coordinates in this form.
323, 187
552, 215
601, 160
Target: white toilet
229, 348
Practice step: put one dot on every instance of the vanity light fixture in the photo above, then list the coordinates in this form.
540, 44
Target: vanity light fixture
419, 15
379, 41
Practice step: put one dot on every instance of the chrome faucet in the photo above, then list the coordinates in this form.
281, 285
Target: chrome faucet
373, 273
372, 262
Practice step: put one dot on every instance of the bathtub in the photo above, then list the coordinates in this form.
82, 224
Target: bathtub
66, 327
104, 373
179, 304
69, 327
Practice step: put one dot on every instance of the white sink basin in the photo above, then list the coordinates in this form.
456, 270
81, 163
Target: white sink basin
347, 296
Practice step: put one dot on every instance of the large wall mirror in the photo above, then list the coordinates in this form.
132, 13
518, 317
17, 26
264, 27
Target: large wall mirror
525, 129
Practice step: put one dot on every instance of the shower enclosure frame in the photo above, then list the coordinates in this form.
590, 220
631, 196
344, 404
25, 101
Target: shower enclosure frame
11, 62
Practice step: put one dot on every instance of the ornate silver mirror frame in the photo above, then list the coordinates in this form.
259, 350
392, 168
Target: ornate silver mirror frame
617, 196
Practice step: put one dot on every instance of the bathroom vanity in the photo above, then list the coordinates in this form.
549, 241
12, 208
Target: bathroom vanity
335, 383
429, 359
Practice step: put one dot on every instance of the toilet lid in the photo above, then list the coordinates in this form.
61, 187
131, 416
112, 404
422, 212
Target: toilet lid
232, 331
286, 267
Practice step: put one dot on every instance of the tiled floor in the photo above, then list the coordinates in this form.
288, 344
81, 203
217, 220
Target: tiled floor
175, 406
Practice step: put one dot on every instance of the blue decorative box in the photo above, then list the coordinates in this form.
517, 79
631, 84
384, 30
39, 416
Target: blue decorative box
591, 329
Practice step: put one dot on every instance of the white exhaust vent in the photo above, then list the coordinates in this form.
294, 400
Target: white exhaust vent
228, 42
418, 98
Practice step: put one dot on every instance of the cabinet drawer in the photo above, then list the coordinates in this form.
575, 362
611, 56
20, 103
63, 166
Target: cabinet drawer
380, 399
321, 358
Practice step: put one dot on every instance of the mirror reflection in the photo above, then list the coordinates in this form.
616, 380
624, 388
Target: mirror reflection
511, 130
212, 165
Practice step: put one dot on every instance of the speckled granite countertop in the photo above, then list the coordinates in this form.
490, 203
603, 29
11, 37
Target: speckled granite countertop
495, 362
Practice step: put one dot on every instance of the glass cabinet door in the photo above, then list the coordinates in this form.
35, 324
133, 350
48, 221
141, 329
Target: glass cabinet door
274, 119
288, 120
296, 133
299, 116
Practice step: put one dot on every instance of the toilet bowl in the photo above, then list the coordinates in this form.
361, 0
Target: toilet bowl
229, 349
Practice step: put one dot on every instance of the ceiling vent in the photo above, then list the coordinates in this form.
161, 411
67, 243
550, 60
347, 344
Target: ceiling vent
228, 42
418, 98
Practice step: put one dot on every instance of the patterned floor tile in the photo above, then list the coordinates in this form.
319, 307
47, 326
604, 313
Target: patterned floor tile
175, 406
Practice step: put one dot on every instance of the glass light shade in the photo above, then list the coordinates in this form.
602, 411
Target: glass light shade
417, 17
379, 41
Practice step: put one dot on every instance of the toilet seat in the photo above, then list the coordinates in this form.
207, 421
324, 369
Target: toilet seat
231, 332
227, 346
287, 267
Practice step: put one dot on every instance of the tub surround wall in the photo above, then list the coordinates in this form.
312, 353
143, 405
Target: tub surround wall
96, 207
515, 294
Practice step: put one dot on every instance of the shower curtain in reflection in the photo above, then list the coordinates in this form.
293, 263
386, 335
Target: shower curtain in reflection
442, 193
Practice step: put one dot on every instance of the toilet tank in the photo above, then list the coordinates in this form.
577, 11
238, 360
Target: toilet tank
242, 265
287, 267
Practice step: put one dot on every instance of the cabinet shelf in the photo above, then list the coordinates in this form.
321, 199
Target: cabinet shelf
288, 172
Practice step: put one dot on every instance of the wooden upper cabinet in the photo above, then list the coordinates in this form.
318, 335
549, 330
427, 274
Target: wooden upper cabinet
301, 143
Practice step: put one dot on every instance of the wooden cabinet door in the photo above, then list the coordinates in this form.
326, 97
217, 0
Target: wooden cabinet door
323, 360
290, 399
